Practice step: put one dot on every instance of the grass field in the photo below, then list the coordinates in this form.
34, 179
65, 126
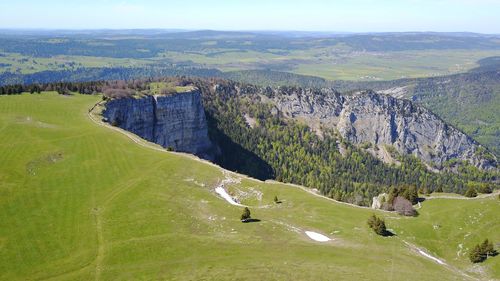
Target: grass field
371, 66
79, 201
17, 63
332, 63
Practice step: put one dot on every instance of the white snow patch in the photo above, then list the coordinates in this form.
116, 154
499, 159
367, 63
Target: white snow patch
317, 237
223, 193
431, 257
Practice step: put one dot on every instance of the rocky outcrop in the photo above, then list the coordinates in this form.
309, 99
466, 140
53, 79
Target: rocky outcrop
379, 200
174, 121
384, 121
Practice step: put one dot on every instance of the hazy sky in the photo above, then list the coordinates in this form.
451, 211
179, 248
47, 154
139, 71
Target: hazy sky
310, 15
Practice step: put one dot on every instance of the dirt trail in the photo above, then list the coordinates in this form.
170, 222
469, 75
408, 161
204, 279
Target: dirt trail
424, 253
480, 196
311, 191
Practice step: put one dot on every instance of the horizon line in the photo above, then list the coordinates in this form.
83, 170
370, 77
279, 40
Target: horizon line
231, 30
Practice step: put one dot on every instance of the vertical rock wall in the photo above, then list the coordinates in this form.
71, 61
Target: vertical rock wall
176, 121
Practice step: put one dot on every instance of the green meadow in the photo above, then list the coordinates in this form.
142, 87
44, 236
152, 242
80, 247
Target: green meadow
81, 201
331, 63
17, 63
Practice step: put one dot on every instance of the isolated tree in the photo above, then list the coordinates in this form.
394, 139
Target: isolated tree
476, 255
378, 225
471, 192
482, 251
246, 214
276, 200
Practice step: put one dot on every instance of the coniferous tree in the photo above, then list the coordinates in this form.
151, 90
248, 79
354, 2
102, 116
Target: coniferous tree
378, 225
481, 252
246, 214
476, 255
488, 249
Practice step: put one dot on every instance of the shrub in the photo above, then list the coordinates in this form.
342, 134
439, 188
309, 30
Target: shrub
378, 225
403, 207
476, 255
471, 192
480, 252
488, 249
246, 214
485, 188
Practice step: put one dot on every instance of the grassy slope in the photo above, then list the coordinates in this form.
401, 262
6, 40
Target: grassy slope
111, 209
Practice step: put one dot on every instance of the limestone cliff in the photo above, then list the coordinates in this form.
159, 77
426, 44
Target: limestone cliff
384, 121
174, 121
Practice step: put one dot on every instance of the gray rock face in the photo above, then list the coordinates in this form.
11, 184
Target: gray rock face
384, 120
177, 121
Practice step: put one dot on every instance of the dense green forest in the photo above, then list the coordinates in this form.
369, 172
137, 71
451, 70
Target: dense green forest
103, 74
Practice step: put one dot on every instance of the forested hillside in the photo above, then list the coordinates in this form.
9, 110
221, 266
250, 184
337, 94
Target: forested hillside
469, 101
280, 148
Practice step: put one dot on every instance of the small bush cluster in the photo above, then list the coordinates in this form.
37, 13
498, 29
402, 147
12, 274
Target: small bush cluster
403, 207
401, 200
471, 192
481, 252
378, 225
409, 192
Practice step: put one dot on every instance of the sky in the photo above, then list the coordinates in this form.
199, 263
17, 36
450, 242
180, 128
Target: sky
481, 16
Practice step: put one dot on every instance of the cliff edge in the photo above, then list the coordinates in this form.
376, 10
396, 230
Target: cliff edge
175, 121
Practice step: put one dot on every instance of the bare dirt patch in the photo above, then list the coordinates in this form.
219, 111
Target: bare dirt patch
49, 159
